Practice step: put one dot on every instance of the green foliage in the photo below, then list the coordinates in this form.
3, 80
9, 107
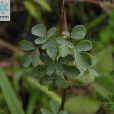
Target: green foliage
59, 53
112, 74
88, 105
55, 109
34, 12
103, 85
106, 34
109, 101
44, 4
9, 94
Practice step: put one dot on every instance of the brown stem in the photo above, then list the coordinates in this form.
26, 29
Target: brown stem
62, 19
63, 98
61, 16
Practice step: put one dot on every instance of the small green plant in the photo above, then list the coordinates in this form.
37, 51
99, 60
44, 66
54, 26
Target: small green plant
55, 109
112, 74
59, 52
109, 101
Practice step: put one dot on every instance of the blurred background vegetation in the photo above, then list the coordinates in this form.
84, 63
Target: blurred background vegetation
84, 96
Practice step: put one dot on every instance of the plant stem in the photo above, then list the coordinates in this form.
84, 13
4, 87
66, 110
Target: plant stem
61, 16
62, 22
63, 98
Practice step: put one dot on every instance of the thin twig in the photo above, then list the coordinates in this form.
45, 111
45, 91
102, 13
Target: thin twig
101, 3
63, 98
61, 16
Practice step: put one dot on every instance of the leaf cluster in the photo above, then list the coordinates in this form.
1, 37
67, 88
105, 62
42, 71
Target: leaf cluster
60, 51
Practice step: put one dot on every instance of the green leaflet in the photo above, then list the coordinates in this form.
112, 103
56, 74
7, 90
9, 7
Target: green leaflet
60, 81
54, 106
51, 50
40, 70
52, 40
86, 60
66, 33
65, 60
26, 45
60, 40
71, 71
46, 80
63, 112
50, 69
39, 30
54, 88
35, 57
45, 111
40, 40
59, 69
44, 45
77, 57
69, 44
85, 45
64, 50
26, 59
78, 32
45, 58
51, 32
